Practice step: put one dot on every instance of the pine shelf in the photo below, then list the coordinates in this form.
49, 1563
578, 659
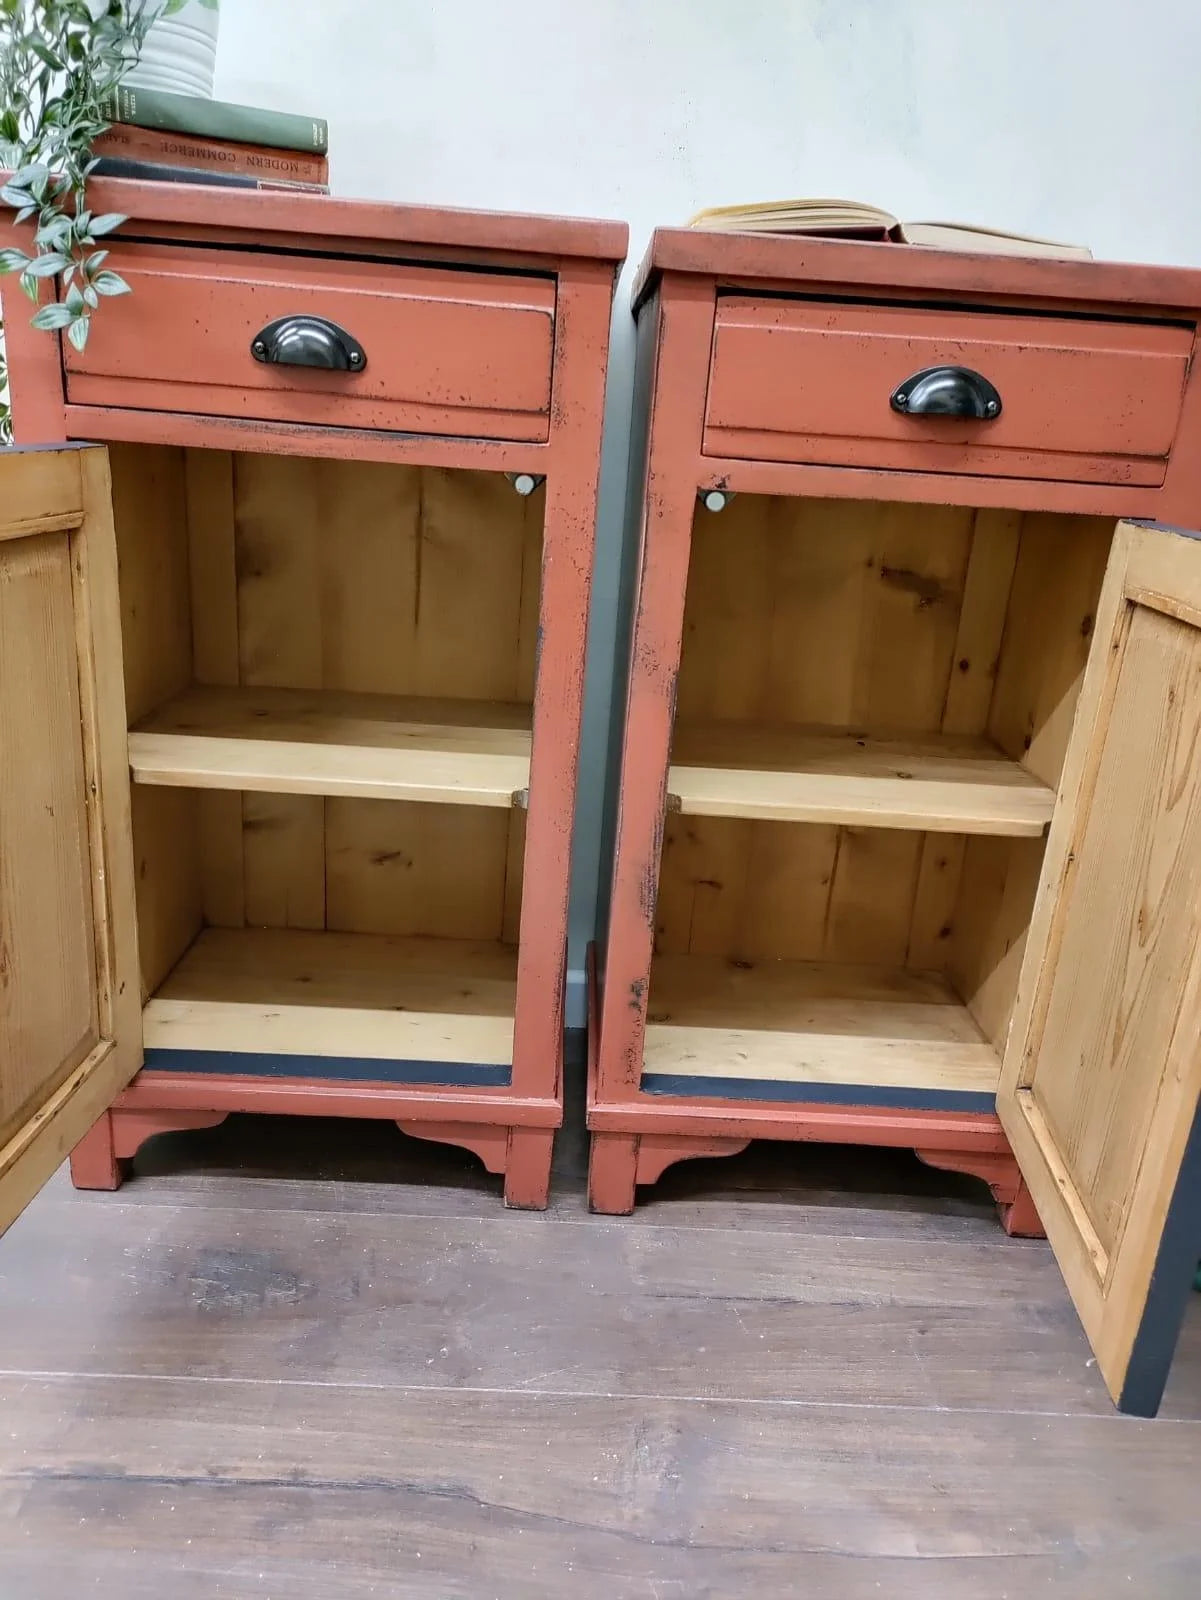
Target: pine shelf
369, 746
937, 783
813, 1031
321, 997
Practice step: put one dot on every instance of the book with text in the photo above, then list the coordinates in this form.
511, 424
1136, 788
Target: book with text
215, 119
159, 172
217, 155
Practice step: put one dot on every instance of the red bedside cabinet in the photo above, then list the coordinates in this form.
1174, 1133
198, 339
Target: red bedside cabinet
893, 621
354, 454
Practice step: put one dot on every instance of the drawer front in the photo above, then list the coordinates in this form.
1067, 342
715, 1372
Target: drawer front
459, 353
1083, 401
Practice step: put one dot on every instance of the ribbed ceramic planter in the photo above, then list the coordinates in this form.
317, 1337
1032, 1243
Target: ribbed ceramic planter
180, 52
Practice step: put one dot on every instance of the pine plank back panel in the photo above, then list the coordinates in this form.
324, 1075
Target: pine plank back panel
894, 618
325, 575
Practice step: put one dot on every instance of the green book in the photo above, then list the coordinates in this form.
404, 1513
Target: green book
215, 119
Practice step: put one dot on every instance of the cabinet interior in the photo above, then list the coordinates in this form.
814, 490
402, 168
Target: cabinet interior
329, 672
874, 704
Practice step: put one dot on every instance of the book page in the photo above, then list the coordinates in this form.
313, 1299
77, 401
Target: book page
965, 236
797, 216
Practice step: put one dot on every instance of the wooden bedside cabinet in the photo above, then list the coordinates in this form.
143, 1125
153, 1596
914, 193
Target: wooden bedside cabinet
354, 454
892, 621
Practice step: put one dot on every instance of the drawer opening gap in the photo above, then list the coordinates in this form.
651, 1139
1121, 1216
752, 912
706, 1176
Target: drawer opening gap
1009, 308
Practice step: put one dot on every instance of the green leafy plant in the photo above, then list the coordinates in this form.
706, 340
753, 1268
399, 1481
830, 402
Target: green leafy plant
6, 418
60, 61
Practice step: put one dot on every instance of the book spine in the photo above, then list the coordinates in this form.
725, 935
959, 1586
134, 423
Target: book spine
215, 119
158, 172
219, 155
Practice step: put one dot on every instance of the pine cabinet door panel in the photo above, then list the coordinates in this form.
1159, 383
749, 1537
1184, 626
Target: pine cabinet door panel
69, 1014
47, 956
1102, 1073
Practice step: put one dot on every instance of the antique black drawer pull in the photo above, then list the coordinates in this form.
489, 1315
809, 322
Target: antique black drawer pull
947, 392
304, 341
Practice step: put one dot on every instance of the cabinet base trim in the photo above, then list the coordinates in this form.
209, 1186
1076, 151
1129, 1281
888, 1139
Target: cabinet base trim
523, 1155
619, 1162
1000, 1171
102, 1158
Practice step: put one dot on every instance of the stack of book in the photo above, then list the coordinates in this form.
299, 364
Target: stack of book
179, 138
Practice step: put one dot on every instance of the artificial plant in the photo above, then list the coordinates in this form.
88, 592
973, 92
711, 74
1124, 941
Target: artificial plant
60, 60
6, 422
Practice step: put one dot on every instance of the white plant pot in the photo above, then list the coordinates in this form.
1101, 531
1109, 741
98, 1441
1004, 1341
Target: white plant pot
180, 52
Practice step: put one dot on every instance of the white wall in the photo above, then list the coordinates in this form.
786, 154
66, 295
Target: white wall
1079, 119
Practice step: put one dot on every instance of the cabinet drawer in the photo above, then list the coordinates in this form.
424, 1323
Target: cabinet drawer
1080, 400
443, 351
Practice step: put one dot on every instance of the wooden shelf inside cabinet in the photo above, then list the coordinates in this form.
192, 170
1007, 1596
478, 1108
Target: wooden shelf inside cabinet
339, 1002
814, 1032
369, 746
937, 783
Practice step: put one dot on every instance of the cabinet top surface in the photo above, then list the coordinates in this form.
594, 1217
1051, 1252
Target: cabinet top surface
345, 223
803, 262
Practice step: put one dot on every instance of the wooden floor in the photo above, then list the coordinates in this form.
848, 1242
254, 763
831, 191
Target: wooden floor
345, 1371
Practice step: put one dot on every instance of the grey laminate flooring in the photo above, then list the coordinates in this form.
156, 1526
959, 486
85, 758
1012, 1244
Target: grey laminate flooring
319, 1361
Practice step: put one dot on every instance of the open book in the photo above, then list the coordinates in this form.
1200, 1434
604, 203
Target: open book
852, 219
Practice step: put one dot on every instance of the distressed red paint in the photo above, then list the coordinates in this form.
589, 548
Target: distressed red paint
741, 415
518, 415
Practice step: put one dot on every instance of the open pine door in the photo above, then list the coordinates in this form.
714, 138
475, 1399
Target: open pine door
1099, 1092
70, 1008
